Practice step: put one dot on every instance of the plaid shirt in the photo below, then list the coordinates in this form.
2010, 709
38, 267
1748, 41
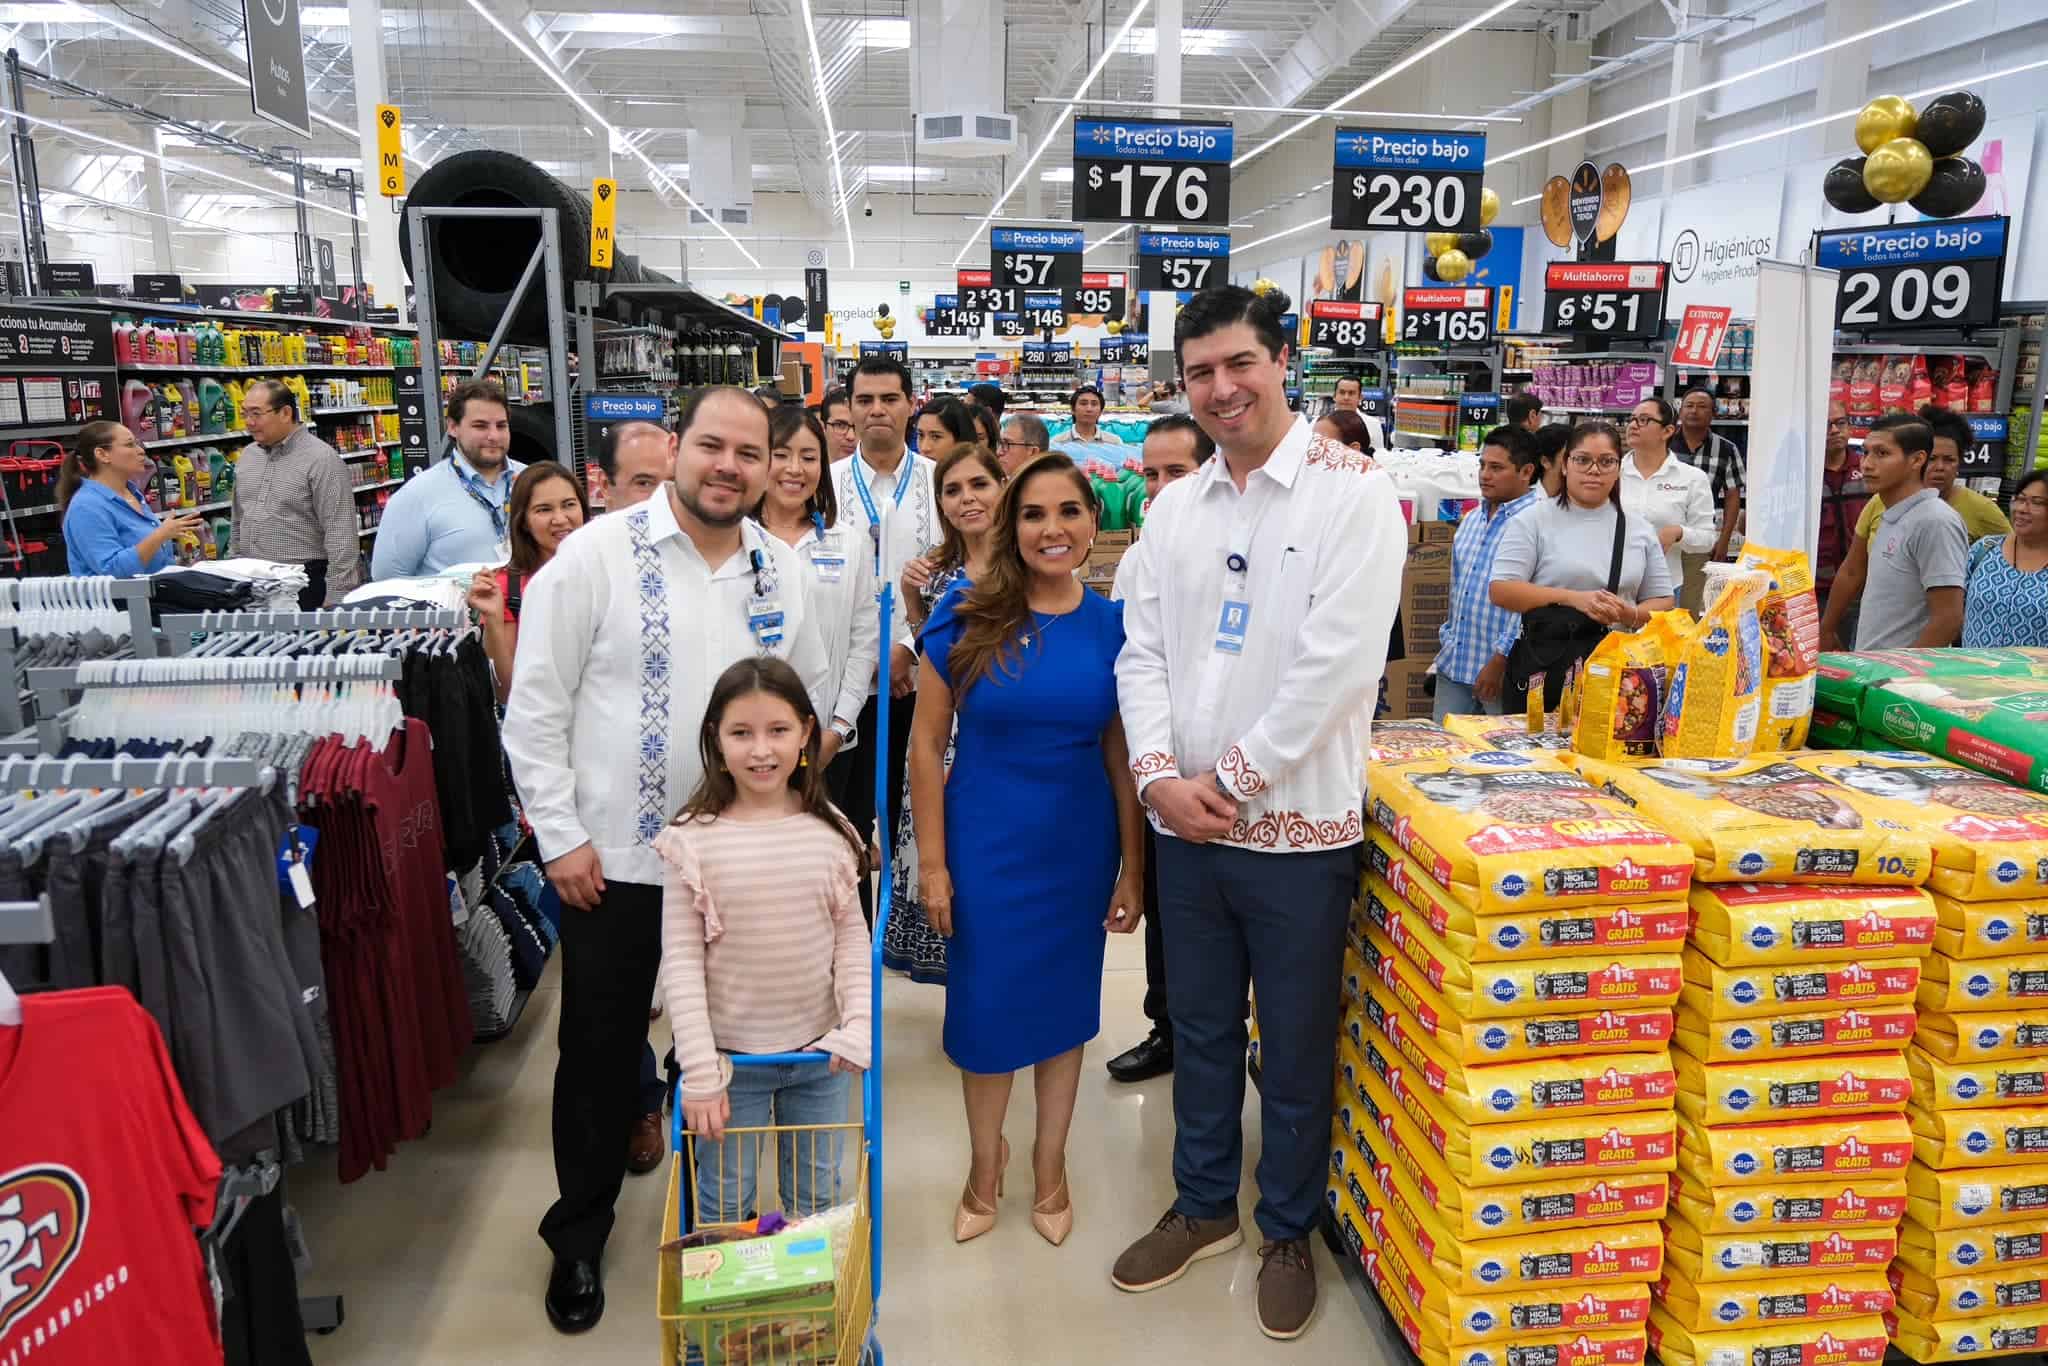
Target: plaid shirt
1720, 458
1477, 630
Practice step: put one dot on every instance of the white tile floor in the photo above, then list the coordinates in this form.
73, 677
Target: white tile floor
438, 1259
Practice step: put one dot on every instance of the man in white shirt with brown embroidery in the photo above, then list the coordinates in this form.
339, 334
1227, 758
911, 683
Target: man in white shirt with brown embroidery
1254, 646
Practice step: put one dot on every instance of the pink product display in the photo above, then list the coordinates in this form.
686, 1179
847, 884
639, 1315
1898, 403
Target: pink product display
1596, 384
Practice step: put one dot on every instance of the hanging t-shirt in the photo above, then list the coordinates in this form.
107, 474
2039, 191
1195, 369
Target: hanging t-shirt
104, 1178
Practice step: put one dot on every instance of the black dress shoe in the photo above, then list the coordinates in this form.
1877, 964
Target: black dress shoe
1152, 1058
575, 1295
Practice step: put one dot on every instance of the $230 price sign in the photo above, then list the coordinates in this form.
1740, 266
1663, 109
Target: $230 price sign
1151, 171
1406, 181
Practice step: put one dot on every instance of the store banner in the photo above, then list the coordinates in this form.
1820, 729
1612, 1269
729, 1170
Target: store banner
67, 277
1944, 273
1406, 180
1714, 236
323, 249
1788, 404
158, 289
604, 218
414, 424
277, 63
817, 296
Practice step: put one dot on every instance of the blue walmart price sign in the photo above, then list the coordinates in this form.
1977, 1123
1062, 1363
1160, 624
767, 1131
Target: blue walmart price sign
1183, 260
1941, 273
1035, 258
1151, 171
899, 349
1407, 181
1985, 458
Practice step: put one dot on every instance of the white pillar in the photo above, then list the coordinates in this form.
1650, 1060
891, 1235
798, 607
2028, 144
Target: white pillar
157, 199
1682, 115
1844, 84
381, 266
1160, 307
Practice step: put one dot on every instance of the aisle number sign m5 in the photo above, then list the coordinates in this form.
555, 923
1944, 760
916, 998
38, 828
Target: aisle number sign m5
604, 217
1400, 180
390, 152
1152, 171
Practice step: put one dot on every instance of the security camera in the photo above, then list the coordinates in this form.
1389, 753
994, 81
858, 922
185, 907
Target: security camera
867, 210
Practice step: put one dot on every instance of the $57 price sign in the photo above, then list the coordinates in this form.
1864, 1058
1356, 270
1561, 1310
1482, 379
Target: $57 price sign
1622, 300
1151, 171
1035, 258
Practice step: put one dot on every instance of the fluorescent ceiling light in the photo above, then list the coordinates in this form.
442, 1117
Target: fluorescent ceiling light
1059, 175
1426, 50
324, 16
1105, 241
883, 33
1727, 81
1194, 42
607, 21
831, 133
1057, 124
904, 173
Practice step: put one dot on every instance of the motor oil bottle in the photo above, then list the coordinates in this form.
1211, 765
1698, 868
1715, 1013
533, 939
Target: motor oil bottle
138, 409
213, 406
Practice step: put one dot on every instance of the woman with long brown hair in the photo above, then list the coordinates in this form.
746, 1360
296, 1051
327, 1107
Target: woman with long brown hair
1025, 659
108, 527
547, 503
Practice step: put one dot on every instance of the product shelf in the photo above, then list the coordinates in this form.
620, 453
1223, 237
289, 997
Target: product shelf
166, 443
381, 484
363, 408
285, 367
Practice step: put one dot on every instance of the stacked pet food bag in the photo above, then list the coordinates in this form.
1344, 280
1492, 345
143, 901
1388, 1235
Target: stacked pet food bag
1505, 1129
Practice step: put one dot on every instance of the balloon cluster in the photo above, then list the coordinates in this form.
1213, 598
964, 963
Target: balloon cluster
1912, 157
1451, 254
884, 324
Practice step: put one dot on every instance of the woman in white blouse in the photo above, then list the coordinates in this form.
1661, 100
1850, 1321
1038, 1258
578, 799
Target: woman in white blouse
1662, 491
801, 509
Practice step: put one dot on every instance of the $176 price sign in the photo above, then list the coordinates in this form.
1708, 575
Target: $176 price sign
1151, 171
1447, 317
1623, 299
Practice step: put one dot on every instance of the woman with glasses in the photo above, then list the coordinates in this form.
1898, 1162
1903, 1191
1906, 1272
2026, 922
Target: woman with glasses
1576, 566
2006, 602
108, 526
1674, 499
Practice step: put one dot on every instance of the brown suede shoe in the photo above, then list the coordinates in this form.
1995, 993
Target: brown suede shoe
1287, 1289
1163, 1256
647, 1146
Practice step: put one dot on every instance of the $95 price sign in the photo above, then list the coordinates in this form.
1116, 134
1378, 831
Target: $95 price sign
1447, 317
1402, 181
1151, 171
1344, 329
1941, 273
1623, 300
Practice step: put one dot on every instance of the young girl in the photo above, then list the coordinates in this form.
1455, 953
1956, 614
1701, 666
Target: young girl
764, 949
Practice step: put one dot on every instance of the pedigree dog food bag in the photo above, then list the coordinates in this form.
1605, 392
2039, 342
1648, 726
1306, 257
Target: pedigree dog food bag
2010, 1332
1719, 993
1791, 1036
1983, 1247
2011, 1135
1811, 1149
1962, 986
1712, 707
1505, 732
1800, 1088
1766, 820
1984, 1035
1375, 1005
1966, 1296
1513, 832
1395, 741
1622, 688
1939, 1085
1707, 1258
1738, 924
1515, 990
1719, 1307
1533, 1311
1790, 1207
1989, 929
1841, 1342
1989, 838
1940, 1200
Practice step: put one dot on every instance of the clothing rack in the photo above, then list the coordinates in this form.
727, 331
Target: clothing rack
52, 687
173, 770
180, 627
27, 922
129, 595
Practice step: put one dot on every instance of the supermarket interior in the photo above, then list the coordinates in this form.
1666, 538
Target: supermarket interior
1432, 613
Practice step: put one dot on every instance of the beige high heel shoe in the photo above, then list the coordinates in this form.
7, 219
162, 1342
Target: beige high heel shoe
1054, 1225
969, 1221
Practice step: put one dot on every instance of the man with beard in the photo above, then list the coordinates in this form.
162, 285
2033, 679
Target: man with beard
623, 634
454, 512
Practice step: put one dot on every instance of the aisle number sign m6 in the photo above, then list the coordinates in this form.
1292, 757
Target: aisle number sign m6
604, 215
390, 152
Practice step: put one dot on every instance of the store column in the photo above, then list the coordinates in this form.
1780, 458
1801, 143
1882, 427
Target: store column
158, 200
381, 226
1160, 305
1681, 116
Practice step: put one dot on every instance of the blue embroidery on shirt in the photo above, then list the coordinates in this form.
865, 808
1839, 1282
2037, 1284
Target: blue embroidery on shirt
653, 812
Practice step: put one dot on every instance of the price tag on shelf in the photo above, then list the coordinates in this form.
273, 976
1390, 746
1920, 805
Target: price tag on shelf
1617, 300
1401, 180
1151, 171
1700, 334
980, 294
1985, 459
1940, 273
1183, 260
1104, 292
1342, 328
1036, 258
1044, 312
1447, 317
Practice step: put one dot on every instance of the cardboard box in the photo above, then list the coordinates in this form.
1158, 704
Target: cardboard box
1431, 532
1402, 695
1425, 598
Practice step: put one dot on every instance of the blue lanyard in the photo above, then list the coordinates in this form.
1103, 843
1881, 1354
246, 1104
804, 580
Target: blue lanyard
474, 486
867, 500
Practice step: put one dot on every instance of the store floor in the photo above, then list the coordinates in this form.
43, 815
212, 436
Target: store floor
438, 1260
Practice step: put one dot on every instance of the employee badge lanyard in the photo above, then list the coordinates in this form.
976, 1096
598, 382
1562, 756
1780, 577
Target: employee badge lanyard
473, 486
867, 501
1233, 624
764, 609
828, 560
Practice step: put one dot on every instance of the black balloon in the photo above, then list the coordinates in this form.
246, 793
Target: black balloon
1949, 123
1843, 187
1475, 244
881, 310
1429, 269
792, 307
1957, 184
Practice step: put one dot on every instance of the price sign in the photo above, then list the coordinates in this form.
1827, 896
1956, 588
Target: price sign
1344, 329
1985, 459
1036, 258
1048, 353
1479, 410
980, 294
1933, 274
1104, 292
1621, 300
1700, 334
948, 324
1447, 317
1011, 325
1044, 312
1403, 181
1151, 171
1183, 260
1374, 402
900, 350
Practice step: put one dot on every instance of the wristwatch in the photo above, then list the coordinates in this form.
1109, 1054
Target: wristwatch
844, 730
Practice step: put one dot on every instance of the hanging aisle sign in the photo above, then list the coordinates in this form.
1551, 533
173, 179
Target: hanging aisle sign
1044, 312
1048, 353
1036, 258
1985, 458
1619, 300
1010, 325
1182, 260
946, 319
1342, 328
1407, 181
277, 64
1126, 350
390, 152
1151, 171
1940, 273
604, 216
898, 349
1102, 291
1447, 317
980, 294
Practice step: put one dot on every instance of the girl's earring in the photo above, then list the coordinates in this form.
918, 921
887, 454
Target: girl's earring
803, 760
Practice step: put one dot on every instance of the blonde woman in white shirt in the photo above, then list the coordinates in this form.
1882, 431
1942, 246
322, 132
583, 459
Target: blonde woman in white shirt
1658, 489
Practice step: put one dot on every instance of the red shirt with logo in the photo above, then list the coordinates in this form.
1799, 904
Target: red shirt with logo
105, 1181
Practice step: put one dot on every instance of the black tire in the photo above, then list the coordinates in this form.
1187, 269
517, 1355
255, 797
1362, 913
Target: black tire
533, 433
478, 262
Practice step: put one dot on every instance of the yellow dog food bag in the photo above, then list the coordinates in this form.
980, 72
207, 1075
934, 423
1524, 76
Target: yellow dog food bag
1505, 732
1713, 704
1850, 1029
1966, 985
1813, 1298
1840, 1342
1622, 688
1951, 1251
1544, 1310
1789, 618
1808, 1149
1739, 924
1707, 1258
1939, 1085
1427, 1334
1982, 1035
1517, 990
1394, 741
1764, 819
1966, 1297
1990, 838
1965, 1199
1491, 1041
1512, 832
2010, 1332
1989, 929
2004, 1137
1797, 1088
1719, 993
1791, 1206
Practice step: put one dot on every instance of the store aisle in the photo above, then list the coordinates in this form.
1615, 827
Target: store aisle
439, 1263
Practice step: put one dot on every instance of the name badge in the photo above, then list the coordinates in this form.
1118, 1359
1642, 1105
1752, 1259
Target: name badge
503, 550
1231, 625
764, 618
829, 564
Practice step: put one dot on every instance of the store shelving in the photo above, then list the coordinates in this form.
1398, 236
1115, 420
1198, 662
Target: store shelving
280, 368
1435, 393
169, 442
358, 408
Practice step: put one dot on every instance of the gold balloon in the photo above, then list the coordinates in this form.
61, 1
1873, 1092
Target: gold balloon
1885, 118
1898, 170
1453, 266
1264, 286
1438, 243
1114, 326
1489, 208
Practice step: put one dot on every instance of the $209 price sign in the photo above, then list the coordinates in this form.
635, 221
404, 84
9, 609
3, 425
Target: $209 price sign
1447, 317
1942, 273
1407, 181
1151, 171
1623, 299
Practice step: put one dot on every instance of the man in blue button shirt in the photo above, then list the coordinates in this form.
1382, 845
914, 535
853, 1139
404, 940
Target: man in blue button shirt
454, 512
1472, 662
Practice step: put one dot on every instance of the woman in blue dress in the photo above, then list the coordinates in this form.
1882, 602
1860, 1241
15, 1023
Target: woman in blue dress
2007, 599
1036, 833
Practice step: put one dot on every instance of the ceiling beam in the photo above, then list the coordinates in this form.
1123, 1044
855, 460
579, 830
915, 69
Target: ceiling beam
1321, 49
